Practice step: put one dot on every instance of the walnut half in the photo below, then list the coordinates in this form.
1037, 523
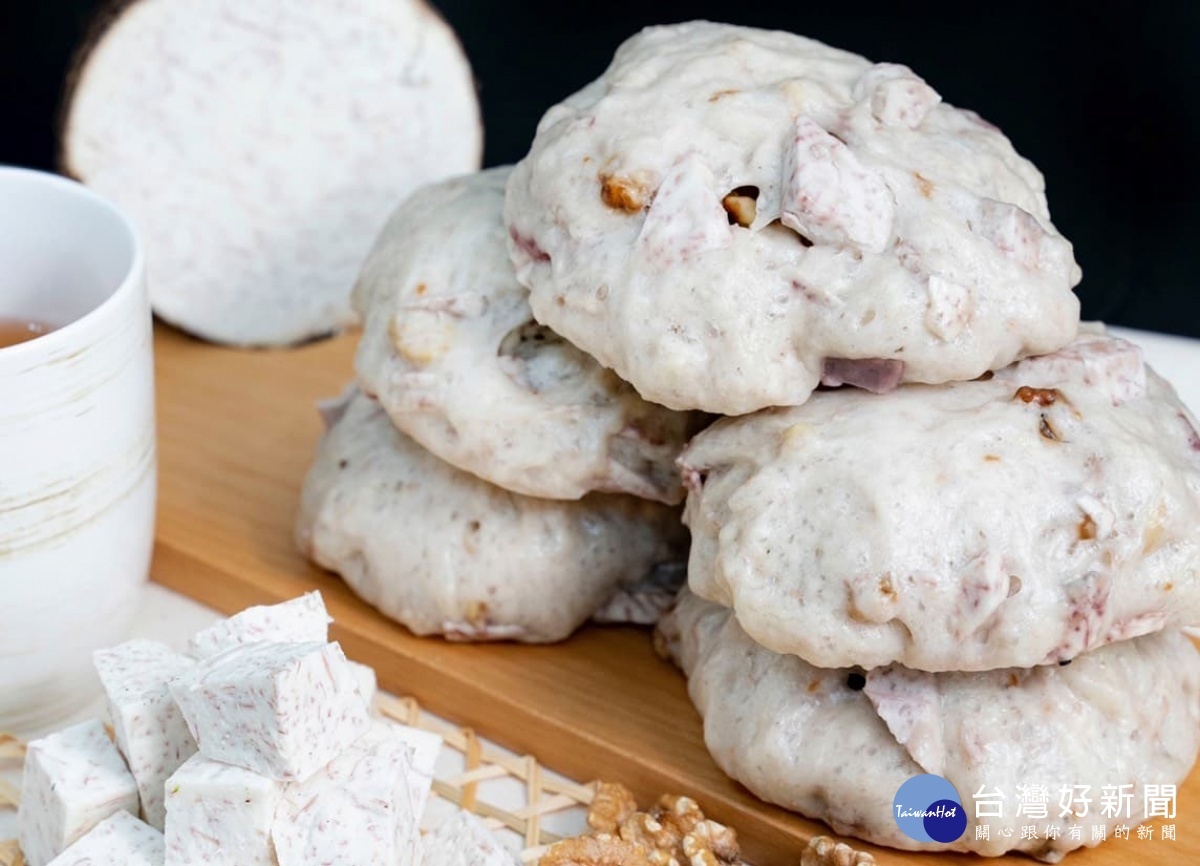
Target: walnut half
599, 850
612, 806
826, 851
674, 832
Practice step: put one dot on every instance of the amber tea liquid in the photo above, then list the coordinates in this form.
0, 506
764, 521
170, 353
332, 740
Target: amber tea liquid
21, 330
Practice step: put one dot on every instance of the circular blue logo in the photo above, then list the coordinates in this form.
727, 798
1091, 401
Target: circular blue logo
927, 808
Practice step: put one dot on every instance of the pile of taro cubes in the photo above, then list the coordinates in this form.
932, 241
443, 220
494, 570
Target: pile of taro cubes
257, 748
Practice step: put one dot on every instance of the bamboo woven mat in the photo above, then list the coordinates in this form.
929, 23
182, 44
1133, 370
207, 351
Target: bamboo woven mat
553, 808
12, 754
471, 775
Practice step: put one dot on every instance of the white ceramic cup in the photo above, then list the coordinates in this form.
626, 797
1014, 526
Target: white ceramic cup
77, 447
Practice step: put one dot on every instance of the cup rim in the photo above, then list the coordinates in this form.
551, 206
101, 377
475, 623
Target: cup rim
128, 284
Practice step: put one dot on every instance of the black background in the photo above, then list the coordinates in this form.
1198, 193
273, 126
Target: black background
1103, 97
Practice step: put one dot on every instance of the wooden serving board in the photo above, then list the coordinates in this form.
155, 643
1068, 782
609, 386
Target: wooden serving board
237, 431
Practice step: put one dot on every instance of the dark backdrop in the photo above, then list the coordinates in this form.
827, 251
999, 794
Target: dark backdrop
1103, 97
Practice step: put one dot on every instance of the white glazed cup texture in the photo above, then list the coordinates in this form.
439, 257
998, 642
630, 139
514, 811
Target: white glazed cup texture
77, 442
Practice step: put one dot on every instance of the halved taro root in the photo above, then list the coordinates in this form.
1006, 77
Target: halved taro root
259, 147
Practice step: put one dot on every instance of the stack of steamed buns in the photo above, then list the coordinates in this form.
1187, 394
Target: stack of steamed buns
946, 529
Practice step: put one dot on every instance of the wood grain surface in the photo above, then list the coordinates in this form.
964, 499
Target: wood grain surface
237, 431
